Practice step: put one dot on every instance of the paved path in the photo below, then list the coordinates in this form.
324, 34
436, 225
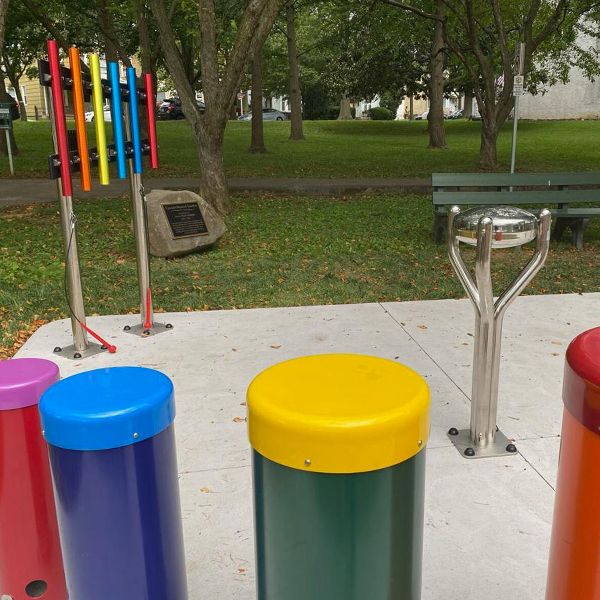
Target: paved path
487, 522
27, 191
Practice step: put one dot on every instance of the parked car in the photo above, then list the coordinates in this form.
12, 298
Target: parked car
89, 116
171, 109
457, 114
269, 114
422, 117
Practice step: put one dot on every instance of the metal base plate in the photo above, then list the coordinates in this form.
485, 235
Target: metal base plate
501, 446
141, 331
72, 354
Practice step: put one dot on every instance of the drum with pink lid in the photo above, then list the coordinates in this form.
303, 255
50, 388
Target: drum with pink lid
30, 556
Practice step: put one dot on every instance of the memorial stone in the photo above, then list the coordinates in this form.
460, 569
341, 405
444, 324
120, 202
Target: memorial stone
180, 222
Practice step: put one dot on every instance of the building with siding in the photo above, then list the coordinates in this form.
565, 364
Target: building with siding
33, 93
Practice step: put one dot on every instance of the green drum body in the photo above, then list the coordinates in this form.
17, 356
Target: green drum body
339, 537
339, 470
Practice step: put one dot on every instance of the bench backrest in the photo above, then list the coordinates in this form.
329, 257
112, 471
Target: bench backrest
469, 188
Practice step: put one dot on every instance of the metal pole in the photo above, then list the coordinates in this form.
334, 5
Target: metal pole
147, 325
521, 70
141, 248
73, 274
9, 149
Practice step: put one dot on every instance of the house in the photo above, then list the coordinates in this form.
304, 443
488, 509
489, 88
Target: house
32, 91
577, 99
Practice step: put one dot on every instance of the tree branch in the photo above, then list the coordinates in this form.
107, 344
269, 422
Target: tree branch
559, 14
412, 9
208, 53
256, 24
174, 61
47, 23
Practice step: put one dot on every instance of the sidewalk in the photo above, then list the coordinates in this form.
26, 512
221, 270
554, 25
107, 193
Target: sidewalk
28, 191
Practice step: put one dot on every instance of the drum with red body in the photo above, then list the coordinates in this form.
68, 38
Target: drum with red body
574, 571
30, 556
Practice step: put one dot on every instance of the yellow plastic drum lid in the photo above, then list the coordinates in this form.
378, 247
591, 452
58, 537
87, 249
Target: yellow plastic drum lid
338, 413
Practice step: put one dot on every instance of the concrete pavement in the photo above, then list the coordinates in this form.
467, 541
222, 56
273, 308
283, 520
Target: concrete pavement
487, 522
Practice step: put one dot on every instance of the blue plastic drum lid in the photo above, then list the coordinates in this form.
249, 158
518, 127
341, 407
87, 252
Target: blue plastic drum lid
107, 408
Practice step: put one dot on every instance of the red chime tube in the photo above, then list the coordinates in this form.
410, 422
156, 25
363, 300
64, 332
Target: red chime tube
60, 124
151, 110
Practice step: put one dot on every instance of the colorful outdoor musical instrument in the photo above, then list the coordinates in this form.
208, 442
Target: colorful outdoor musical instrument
98, 102
134, 121
151, 112
79, 110
117, 118
59, 118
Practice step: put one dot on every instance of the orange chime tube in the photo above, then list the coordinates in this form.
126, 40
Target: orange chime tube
79, 109
574, 569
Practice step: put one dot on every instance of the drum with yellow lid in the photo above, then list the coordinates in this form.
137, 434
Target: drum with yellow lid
339, 466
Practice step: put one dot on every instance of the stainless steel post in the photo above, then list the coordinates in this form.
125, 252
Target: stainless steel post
488, 228
81, 346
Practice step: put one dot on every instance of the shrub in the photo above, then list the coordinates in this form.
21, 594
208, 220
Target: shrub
379, 113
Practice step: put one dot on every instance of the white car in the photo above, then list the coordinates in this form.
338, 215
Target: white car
269, 114
89, 116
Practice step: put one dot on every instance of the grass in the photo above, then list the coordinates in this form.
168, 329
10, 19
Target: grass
277, 252
349, 149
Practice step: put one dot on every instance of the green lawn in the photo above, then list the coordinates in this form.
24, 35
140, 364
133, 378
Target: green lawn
350, 149
277, 252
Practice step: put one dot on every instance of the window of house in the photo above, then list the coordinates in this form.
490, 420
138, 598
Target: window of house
24, 95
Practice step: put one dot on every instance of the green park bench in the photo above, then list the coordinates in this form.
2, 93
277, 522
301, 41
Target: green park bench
556, 191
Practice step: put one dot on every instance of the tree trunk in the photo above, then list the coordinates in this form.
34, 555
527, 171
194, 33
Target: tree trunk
437, 137
345, 109
147, 55
488, 158
296, 132
19, 95
3, 147
219, 86
3, 11
257, 143
213, 184
411, 109
468, 108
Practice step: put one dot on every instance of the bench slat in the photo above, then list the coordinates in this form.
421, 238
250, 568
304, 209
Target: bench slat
519, 197
576, 213
515, 179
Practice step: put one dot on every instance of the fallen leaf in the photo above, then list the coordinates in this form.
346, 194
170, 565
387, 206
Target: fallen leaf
276, 346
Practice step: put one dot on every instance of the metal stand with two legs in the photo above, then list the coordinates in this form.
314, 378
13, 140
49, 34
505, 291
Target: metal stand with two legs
488, 228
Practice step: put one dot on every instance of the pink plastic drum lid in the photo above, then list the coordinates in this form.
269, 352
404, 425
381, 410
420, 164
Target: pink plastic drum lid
24, 380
